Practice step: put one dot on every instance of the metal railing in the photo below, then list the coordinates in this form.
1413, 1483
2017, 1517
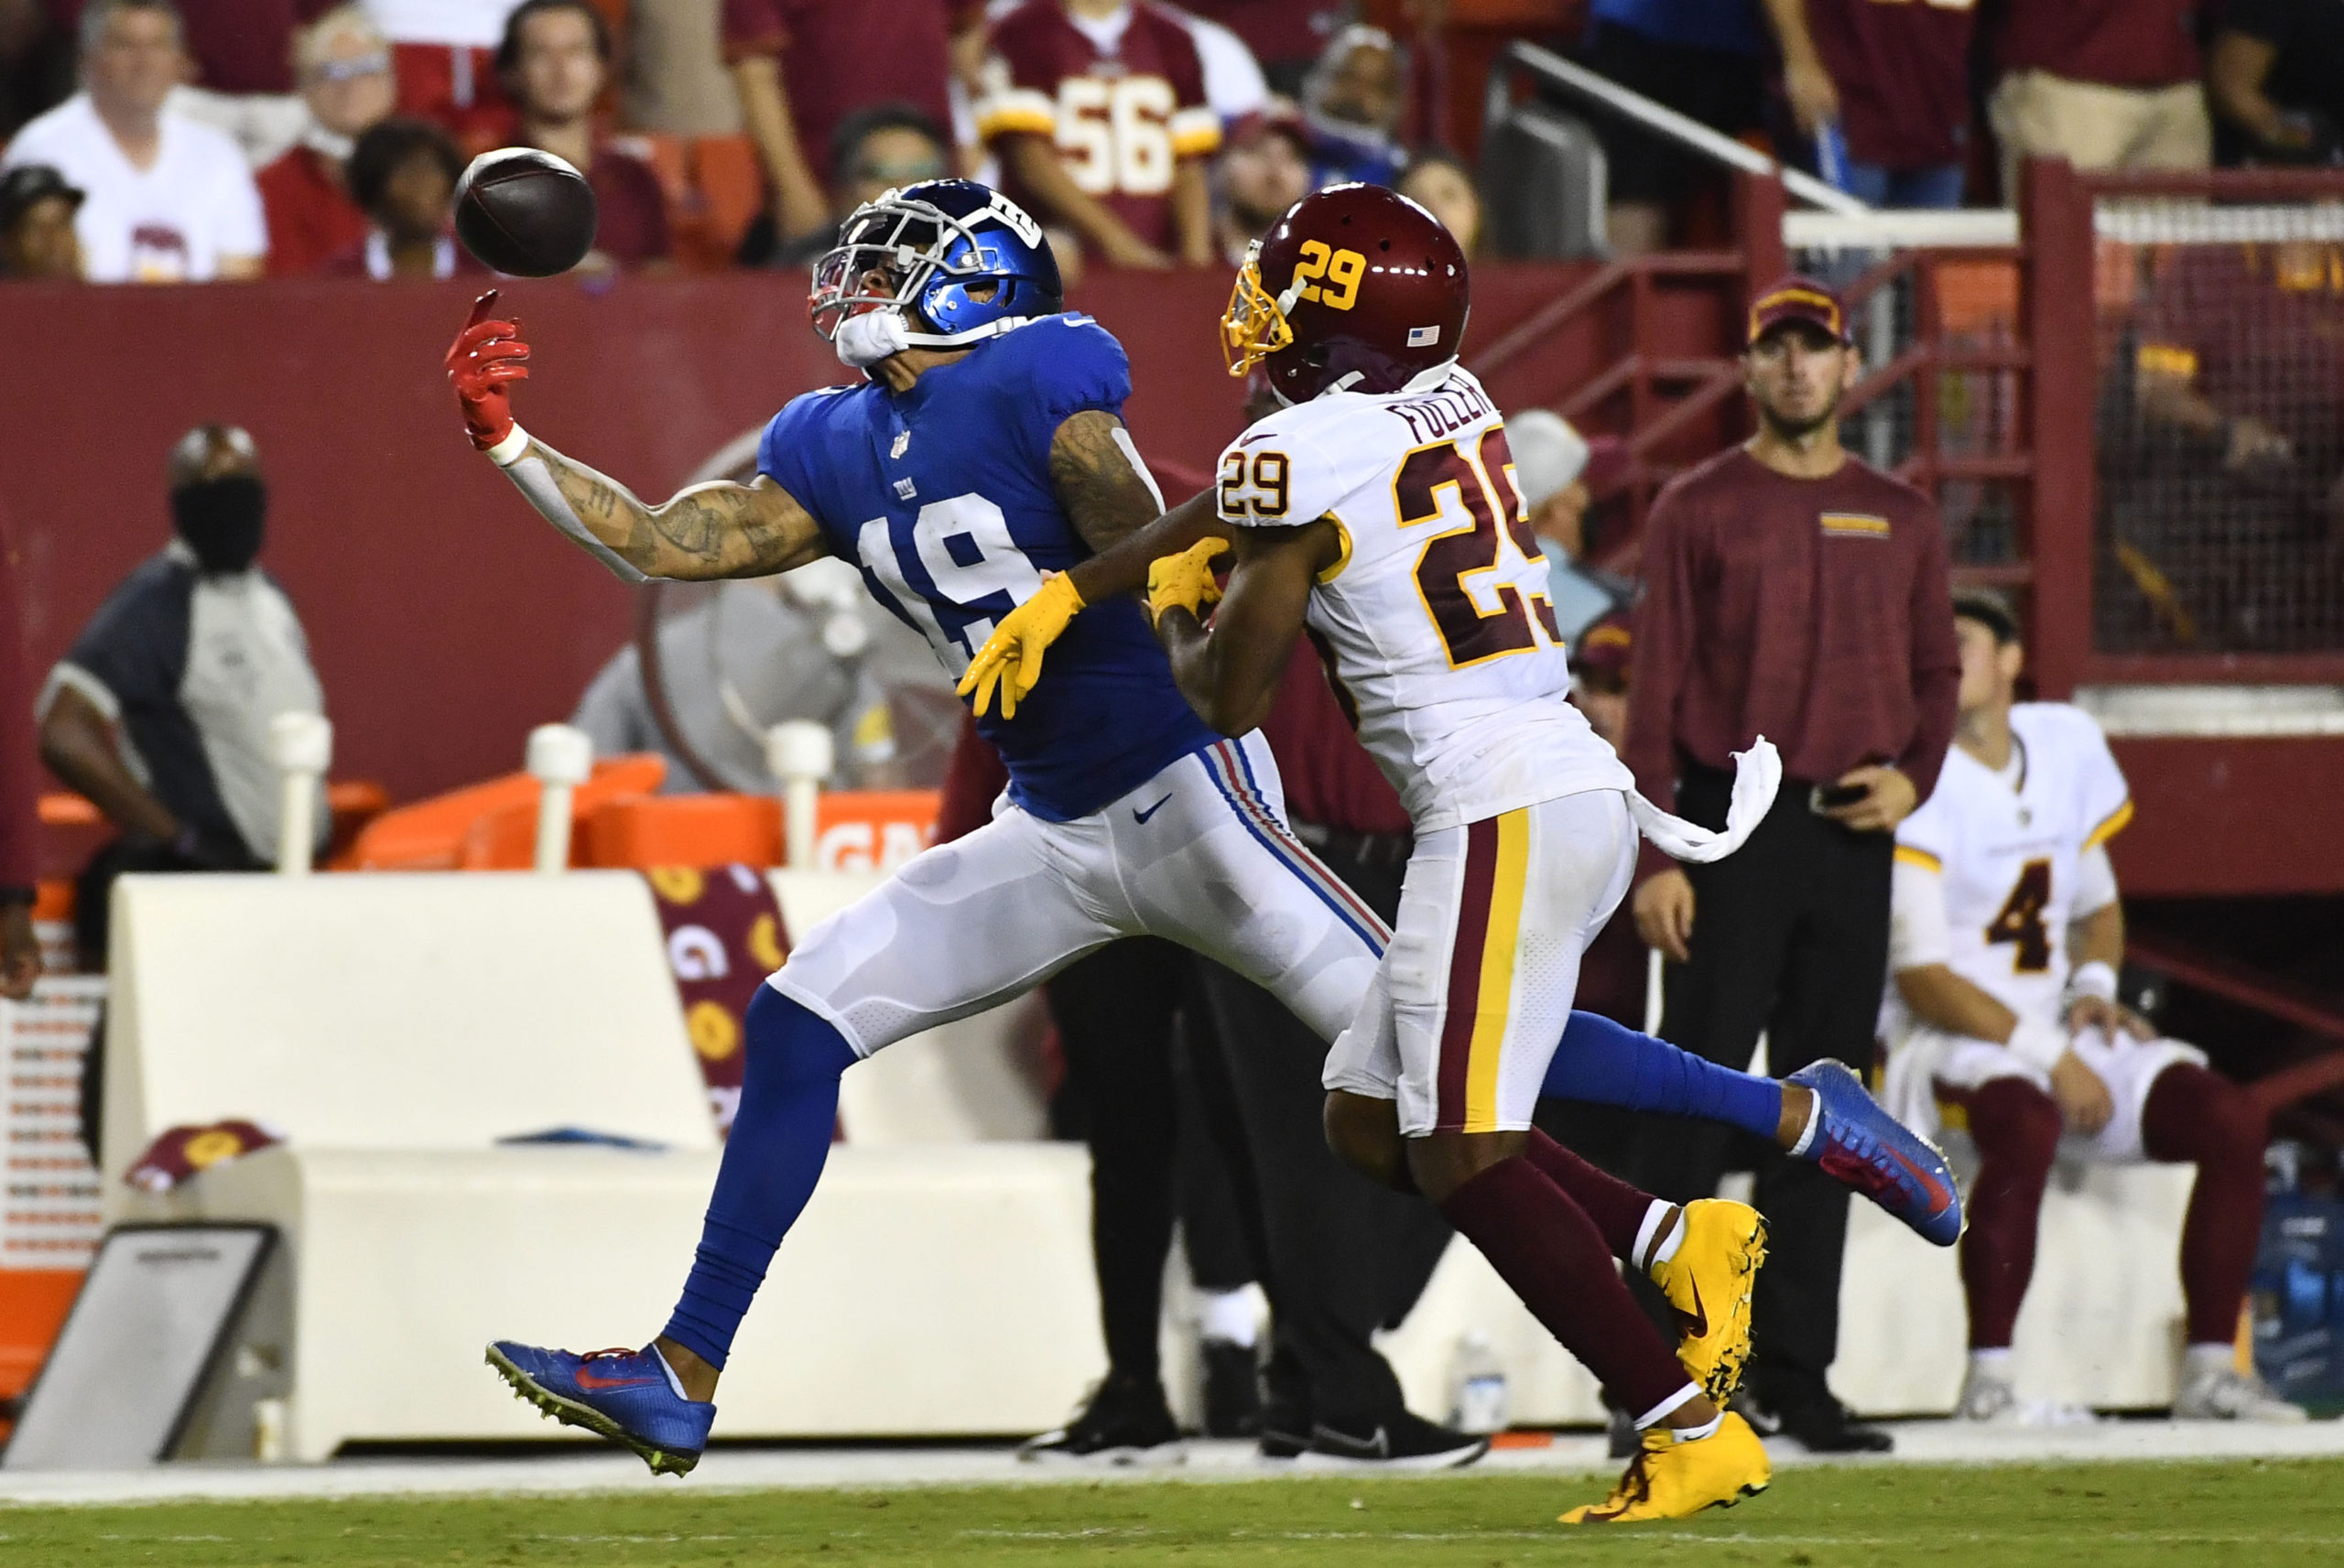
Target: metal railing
1595, 91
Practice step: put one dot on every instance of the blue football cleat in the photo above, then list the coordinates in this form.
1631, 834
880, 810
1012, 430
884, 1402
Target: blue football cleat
1858, 1143
625, 1395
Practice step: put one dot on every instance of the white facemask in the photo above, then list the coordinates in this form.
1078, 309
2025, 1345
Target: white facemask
863, 340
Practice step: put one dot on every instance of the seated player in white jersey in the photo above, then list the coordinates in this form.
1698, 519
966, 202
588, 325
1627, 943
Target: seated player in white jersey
1379, 505
2007, 937
986, 451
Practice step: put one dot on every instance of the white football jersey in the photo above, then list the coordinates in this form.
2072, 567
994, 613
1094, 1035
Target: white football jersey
1437, 614
2006, 859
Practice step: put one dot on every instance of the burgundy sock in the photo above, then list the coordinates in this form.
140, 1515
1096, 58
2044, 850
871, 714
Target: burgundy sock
2195, 1117
1617, 1209
1545, 1248
2016, 1129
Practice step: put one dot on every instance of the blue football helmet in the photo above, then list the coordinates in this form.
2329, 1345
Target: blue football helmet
928, 249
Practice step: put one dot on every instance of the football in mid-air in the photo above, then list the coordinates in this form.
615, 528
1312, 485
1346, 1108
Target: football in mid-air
524, 212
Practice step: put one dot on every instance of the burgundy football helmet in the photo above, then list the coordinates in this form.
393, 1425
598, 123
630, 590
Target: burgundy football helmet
1356, 289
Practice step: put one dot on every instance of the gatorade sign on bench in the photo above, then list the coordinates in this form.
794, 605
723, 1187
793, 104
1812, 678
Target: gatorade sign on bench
154, 1313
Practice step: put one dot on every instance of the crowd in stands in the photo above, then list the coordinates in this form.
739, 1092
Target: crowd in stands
224, 141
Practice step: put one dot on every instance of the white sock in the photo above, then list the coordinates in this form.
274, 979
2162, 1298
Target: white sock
1814, 1123
1695, 1433
673, 1381
1230, 1318
1994, 1363
2215, 1356
1652, 1246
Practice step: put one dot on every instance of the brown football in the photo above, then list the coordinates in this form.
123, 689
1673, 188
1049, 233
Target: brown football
524, 212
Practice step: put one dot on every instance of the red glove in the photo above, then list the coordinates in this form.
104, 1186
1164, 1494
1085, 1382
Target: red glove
486, 359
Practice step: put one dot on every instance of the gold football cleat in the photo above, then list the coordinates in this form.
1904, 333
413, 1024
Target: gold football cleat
1669, 1479
1708, 1284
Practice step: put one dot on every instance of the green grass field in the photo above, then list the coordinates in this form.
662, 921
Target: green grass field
2244, 1514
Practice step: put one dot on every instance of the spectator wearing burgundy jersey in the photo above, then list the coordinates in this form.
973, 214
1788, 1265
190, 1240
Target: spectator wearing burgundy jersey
2276, 81
1895, 79
802, 66
555, 59
343, 63
2225, 488
2102, 83
1097, 109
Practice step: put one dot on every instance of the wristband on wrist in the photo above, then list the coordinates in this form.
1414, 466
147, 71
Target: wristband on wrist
2095, 978
507, 452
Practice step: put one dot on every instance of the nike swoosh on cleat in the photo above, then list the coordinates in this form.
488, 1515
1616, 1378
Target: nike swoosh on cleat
1938, 1196
1699, 1318
1141, 816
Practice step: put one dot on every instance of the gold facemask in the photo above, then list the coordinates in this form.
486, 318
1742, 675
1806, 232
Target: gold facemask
1252, 328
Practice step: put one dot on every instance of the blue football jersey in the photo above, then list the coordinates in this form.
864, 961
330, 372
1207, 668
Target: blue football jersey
942, 496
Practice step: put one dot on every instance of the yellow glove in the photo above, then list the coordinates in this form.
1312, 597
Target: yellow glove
1185, 579
1012, 657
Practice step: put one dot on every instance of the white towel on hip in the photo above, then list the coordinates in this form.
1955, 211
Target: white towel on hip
1757, 775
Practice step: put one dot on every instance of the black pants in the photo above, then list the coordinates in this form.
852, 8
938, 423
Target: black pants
1129, 1079
1344, 1256
1790, 939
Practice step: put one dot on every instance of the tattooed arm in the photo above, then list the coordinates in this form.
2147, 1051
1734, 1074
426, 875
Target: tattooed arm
719, 530
1113, 500
1096, 474
709, 531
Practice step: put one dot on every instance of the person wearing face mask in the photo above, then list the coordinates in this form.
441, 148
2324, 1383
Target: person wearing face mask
160, 712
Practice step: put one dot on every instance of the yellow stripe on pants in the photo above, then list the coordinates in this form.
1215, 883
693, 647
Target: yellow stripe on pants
1493, 1007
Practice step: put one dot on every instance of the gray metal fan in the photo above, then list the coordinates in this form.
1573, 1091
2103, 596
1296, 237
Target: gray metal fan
718, 664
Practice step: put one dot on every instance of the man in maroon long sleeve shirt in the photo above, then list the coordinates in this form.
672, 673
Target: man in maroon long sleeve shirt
1794, 592
19, 786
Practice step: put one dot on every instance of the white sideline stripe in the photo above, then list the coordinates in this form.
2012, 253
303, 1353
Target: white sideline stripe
1920, 1442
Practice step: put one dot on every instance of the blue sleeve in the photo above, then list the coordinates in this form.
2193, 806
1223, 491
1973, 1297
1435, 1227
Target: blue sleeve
782, 450
1068, 365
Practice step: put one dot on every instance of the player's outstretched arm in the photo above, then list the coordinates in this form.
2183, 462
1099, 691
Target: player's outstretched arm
1230, 672
719, 530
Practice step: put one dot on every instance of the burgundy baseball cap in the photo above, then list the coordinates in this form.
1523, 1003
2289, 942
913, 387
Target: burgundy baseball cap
1797, 298
1602, 650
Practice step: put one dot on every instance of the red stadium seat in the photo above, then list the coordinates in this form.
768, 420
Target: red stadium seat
491, 826
699, 830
